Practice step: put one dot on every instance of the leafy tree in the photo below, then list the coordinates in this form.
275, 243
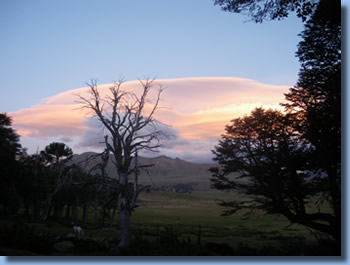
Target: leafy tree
315, 101
75, 192
9, 140
317, 95
55, 152
260, 10
33, 183
272, 160
9, 166
129, 121
55, 157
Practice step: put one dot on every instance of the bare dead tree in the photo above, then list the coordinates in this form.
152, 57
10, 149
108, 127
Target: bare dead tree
129, 120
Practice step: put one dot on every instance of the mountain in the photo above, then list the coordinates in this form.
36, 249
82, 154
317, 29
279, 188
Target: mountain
167, 173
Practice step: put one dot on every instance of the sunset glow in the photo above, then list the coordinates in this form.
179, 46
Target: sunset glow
195, 109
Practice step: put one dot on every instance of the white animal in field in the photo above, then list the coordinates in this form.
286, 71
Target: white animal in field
78, 231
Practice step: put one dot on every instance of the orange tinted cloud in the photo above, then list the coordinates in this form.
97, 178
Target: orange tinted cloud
198, 108
209, 124
49, 120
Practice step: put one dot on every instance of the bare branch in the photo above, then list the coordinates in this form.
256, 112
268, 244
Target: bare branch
129, 120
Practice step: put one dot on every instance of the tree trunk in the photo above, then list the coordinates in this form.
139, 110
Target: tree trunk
60, 213
84, 217
95, 214
73, 214
112, 217
103, 216
47, 208
336, 200
124, 212
56, 210
75, 210
36, 210
67, 211
125, 227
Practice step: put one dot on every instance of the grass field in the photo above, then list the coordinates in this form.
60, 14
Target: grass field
185, 212
185, 215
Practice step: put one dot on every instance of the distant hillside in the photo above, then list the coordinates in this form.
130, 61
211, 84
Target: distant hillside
166, 174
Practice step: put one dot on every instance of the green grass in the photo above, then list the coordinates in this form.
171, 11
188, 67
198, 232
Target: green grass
182, 214
185, 212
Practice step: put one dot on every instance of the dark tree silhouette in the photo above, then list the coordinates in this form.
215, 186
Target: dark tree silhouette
9, 140
33, 184
9, 166
55, 152
129, 120
260, 10
317, 96
315, 101
54, 160
272, 160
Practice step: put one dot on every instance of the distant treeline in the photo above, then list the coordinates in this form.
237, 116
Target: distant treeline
45, 186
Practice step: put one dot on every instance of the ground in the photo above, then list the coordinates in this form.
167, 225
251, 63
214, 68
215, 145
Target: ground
193, 223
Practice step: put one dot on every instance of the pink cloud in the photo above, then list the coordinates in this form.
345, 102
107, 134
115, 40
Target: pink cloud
49, 120
198, 108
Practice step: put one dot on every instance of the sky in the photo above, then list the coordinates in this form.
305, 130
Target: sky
49, 48
193, 113
216, 65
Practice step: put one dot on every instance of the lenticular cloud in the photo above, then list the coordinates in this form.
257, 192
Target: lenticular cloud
197, 108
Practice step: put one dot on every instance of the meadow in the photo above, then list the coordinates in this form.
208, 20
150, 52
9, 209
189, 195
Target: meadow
185, 224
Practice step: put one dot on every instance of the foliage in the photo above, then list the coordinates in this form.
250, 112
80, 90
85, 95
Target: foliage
55, 152
259, 10
317, 95
272, 159
282, 171
9, 140
10, 148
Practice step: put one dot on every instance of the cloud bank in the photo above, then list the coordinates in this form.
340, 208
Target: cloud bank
197, 110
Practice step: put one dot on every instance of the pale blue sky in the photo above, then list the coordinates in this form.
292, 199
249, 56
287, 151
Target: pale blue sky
52, 46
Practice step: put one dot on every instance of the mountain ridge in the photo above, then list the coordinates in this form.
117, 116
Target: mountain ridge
166, 173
